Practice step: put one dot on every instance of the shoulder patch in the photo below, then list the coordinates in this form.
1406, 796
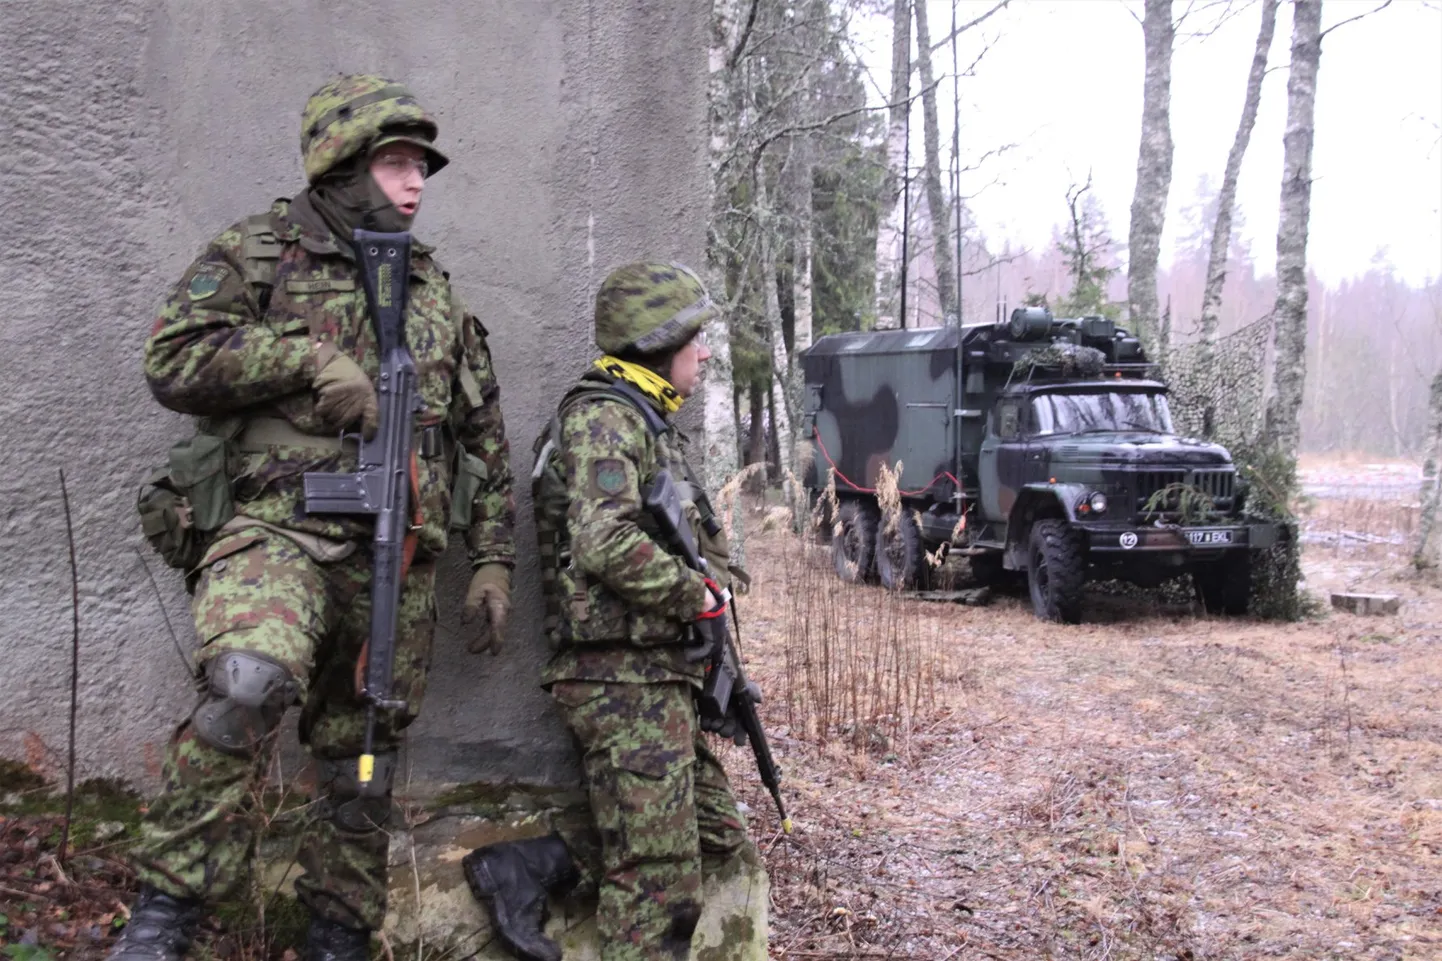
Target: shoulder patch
206, 281
608, 476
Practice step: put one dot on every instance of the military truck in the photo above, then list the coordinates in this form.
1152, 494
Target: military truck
1033, 446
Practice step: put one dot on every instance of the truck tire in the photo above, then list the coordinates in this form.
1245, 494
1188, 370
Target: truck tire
1225, 586
901, 555
853, 550
1056, 571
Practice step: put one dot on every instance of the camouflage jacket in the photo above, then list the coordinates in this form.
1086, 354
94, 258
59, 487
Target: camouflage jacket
216, 353
625, 599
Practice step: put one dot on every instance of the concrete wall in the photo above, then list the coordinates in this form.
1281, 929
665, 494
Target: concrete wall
135, 131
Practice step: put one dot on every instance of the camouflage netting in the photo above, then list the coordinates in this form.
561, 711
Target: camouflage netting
1222, 400
1221, 395
1071, 359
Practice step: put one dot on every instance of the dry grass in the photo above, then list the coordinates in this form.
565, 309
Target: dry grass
972, 783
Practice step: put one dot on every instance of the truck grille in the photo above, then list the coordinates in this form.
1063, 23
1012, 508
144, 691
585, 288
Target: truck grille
1216, 484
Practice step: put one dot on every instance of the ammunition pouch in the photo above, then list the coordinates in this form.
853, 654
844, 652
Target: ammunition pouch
469, 474
183, 505
352, 806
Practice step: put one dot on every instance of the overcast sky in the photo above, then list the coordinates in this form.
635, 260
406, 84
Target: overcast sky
1063, 81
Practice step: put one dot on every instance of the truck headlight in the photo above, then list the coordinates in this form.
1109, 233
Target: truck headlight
1097, 502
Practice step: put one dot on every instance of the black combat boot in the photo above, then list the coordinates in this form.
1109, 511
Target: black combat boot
330, 941
160, 928
512, 880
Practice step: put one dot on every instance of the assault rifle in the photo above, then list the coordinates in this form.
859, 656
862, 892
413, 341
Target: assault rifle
726, 692
381, 484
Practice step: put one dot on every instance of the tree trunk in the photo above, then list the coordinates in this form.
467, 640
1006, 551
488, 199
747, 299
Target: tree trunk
889, 224
719, 416
756, 441
935, 199
781, 374
1429, 546
1227, 198
801, 180
1154, 172
802, 336
1393, 382
1226, 201
1289, 316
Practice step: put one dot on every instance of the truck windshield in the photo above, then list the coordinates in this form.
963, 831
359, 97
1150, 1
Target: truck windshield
1078, 413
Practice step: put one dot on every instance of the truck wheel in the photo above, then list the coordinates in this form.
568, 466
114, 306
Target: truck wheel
1056, 572
853, 550
1225, 586
901, 554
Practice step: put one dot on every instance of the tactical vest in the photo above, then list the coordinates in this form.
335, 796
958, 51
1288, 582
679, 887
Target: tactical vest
184, 503
577, 611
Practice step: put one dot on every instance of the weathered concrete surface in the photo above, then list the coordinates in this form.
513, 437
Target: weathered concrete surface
135, 131
431, 906
1367, 604
426, 870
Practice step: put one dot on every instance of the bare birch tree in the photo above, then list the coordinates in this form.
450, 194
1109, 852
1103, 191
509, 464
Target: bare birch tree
931, 173
890, 227
1154, 174
719, 419
1227, 200
1428, 551
781, 367
1282, 423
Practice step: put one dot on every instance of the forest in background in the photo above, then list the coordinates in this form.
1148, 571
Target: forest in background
824, 203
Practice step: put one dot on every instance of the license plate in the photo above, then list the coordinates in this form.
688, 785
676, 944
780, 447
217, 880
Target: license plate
1209, 538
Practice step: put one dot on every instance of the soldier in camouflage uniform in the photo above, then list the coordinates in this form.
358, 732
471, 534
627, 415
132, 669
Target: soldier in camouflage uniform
620, 606
268, 339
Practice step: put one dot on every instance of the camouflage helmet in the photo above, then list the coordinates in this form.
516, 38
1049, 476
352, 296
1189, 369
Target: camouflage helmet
650, 308
347, 116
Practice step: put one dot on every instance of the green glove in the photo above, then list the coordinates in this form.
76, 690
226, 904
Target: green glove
344, 394
488, 602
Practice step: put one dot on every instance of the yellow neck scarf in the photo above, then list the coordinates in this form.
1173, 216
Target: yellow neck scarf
648, 382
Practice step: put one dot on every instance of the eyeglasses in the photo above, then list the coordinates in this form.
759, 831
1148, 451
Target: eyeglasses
401, 164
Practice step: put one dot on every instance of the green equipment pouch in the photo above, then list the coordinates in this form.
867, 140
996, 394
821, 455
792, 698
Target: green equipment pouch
198, 468
168, 524
470, 473
182, 506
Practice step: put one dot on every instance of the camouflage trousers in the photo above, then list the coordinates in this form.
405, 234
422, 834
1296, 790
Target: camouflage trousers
660, 801
259, 592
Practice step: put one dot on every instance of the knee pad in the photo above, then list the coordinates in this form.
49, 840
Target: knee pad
350, 805
247, 697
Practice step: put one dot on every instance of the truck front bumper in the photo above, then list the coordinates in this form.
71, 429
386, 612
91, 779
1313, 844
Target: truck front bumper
1201, 541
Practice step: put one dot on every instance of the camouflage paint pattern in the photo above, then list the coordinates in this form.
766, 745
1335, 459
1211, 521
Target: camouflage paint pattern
879, 397
345, 115
647, 307
212, 353
659, 798
259, 592
626, 600
661, 802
